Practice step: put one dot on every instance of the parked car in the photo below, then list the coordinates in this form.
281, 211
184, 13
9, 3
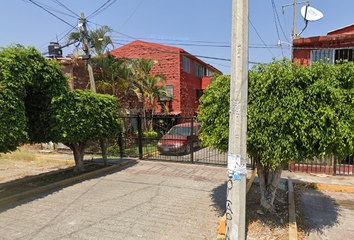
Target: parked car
178, 139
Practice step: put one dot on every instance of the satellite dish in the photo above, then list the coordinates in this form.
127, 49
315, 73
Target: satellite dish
310, 13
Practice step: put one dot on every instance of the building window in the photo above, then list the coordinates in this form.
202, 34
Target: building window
168, 97
332, 55
344, 54
199, 70
199, 93
186, 65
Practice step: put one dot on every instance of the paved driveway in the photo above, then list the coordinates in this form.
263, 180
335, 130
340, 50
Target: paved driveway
149, 200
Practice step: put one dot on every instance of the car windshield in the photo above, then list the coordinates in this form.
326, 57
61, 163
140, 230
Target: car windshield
179, 131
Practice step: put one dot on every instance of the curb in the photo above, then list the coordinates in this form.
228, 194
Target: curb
222, 225
33, 192
151, 154
327, 187
292, 216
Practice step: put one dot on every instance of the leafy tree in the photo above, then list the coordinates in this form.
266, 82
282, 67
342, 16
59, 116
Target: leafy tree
98, 39
146, 85
82, 116
28, 83
113, 73
294, 113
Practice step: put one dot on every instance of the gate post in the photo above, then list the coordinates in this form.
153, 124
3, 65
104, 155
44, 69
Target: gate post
140, 144
191, 142
120, 144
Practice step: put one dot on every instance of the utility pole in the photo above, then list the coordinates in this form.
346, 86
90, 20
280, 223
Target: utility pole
85, 40
294, 35
237, 157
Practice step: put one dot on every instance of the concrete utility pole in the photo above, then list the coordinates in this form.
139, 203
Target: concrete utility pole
236, 186
294, 35
85, 40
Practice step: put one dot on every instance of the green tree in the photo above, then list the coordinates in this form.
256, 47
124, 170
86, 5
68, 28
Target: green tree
114, 74
146, 86
28, 82
294, 113
82, 116
99, 39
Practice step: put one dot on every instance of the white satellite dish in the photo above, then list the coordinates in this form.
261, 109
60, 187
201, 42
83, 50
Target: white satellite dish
310, 13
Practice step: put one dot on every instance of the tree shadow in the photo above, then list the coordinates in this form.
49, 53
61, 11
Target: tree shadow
315, 211
320, 211
21, 200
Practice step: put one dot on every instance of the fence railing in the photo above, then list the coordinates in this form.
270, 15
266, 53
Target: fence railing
325, 165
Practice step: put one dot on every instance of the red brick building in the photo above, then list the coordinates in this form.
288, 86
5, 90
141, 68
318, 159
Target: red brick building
79, 78
186, 75
336, 45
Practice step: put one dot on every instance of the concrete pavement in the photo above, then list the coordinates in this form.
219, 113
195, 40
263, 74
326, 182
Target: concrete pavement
330, 214
330, 208
148, 200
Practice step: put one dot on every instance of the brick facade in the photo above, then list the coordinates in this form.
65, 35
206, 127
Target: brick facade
338, 39
185, 85
79, 79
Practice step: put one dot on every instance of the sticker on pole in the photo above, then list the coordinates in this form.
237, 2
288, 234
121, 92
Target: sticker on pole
232, 161
234, 167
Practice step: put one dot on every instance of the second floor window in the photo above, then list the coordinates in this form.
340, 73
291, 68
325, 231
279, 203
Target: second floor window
199, 70
186, 64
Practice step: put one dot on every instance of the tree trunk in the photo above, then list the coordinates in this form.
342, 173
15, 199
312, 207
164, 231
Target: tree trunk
103, 144
269, 181
79, 151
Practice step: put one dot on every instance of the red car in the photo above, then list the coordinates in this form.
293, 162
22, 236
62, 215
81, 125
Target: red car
178, 139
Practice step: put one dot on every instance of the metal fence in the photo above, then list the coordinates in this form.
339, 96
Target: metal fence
328, 165
149, 138
164, 138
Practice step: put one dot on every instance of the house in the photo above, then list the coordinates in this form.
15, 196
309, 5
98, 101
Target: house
337, 44
186, 75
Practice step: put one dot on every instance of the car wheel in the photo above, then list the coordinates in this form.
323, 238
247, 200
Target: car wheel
188, 149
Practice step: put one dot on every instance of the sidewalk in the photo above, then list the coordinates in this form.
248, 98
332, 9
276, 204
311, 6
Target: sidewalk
330, 213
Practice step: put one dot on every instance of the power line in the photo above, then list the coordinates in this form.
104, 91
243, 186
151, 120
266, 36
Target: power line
202, 45
102, 8
51, 13
276, 25
131, 15
61, 4
260, 36
183, 54
49, 8
275, 13
68, 31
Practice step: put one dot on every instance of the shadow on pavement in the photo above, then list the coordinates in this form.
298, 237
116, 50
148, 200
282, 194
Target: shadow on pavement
219, 199
59, 188
320, 211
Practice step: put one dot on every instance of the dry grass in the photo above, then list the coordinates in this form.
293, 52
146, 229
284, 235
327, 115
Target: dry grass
23, 154
26, 162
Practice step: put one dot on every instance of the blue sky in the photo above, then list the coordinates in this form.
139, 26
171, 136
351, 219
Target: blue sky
201, 27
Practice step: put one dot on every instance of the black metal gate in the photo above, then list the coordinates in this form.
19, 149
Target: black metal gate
164, 138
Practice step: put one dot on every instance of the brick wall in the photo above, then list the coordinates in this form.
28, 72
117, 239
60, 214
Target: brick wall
185, 85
